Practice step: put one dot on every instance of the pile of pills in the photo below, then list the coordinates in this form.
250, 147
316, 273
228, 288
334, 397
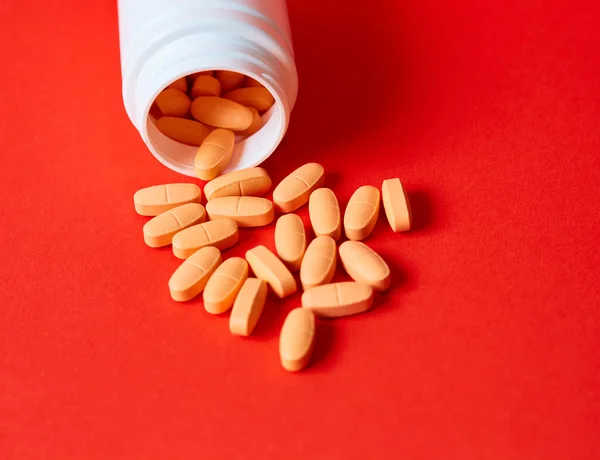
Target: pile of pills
200, 234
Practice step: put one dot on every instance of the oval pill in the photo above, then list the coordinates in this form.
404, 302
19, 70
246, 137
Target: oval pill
296, 340
365, 265
338, 299
258, 97
219, 233
256, 123
396, 205
324, 212
362, 212
221, 113
246, 211
250, 82
230, 80
154, 200
266, 266
191, 276
180, 84
248, 307
224, 285
245, 182
214, 154
182, 130
205, 85
173, 103
159, 230
318, 265
290, 240
294, 190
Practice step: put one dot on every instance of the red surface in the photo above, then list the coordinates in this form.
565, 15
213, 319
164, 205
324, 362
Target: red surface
488, 345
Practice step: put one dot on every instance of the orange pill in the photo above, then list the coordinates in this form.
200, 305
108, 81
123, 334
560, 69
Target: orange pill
250, 82
195, 75
224, 285
396, 205
318, 265
205, 85
338, 299
294, 191
362, 213
244, 182
214, 154
258, 97
248, 307
159, 230
173, 103
221, 113
266, 266
191, 276
219, 233
296, 340
182, 130
230, 80
324, 212
290, 240
154, 200
365, 265
246, 211
180, 84
256, 123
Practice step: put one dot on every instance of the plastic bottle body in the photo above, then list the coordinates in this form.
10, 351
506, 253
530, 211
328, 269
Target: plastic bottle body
163, 40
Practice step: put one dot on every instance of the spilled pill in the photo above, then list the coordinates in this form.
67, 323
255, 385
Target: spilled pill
205, 85
318, 265
173, 103
338, 299
248, 307
224, 285
294, 190
230, 80
362, 212
396, 205
182, 130
246, 211
219, 233
221, 113
154, 200
290, 240
245, 182
364, 265
159, 230
180, 84
324, 212
258, 97
267, 266
296, 340
214, 154
192, 275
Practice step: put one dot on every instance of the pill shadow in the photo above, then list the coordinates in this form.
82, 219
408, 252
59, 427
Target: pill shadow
271, 319
324, 343
423, 212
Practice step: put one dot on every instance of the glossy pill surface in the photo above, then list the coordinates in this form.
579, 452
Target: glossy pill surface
224, 285
246, 211
362, 213
159, 230
230, 80
324, 211
290, 240
396, 205
205, 85
182, 130
221, 113
180, 84
296, 340
191, 276
248, 307
267, 266
173, 103
154, 200
245, 182
294, 190
221, 234
258, 97
214, 154
318, 265
364, 265
338, 299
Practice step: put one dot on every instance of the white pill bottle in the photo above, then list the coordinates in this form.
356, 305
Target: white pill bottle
163, 40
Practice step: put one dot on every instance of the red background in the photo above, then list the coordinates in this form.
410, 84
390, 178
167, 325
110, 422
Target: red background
487, 347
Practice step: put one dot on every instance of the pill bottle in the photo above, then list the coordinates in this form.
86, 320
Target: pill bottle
164, 40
